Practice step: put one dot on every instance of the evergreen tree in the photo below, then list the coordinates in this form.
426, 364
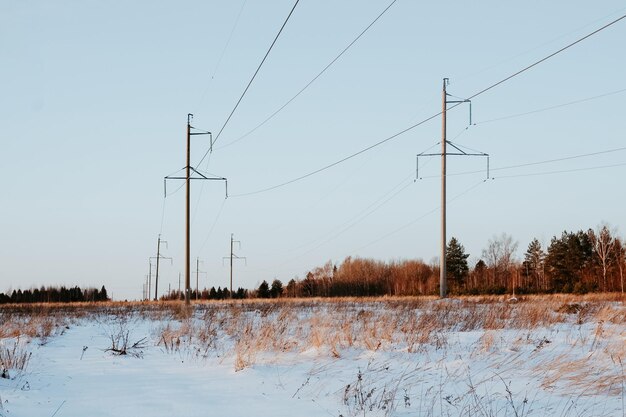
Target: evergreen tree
568, 257
103, 296
277, 289
456, 262
533, 264
264, 290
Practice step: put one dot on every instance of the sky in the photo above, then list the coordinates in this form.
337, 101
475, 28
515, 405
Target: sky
94, 97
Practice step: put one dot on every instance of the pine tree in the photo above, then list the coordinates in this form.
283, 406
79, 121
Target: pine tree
456, 262
264, 290
103, 294
533, 263
277, 289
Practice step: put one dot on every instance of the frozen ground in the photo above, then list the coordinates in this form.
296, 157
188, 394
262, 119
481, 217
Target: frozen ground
374, 358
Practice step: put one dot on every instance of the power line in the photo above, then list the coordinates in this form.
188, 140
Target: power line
349, 224
251, 79
527, 164
534, 64
271, 116
206, 239
339, 161
553, 40
219, 60
363, 214
412, 222
535, 174
484, 90
556, 106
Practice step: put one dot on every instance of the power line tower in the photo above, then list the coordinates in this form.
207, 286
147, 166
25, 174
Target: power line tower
231, 257
191, 131
158, 258
198, 272
443, 281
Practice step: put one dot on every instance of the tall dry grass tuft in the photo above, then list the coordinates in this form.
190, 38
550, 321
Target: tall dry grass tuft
13, 357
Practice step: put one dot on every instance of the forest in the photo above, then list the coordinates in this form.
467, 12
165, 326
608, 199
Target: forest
54, 295
574, 262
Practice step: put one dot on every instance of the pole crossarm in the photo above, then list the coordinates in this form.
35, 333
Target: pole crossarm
460, 153
460, 101
201, 177
235, 257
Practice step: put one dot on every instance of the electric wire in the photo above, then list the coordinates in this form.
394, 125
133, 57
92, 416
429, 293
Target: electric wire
177, 189
395, 135
271, 116
534, 64
219, 60
557, 106
324, 168
217, 217
162, 216
345, 226
477, 185
535, 174
367, 211
412, 222
527, 164
553, 40
251, 80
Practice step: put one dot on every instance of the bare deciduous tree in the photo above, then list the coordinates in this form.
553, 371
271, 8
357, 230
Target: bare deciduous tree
499, 255
603, 245
620, 259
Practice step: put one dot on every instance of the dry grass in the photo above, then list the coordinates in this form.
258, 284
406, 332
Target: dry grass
14, 356
252, 331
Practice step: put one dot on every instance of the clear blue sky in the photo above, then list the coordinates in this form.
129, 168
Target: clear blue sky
94, 97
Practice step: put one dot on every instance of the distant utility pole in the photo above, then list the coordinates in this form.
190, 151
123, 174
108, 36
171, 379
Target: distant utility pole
149, 278
443, 282
231, 257
198, 272
188, 178
159, 257
179, 285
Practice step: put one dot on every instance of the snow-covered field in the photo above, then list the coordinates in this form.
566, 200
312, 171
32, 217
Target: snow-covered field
541, 356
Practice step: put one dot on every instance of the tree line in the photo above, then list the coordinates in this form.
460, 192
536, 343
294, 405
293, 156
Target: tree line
208, 294
54, 295
574, 262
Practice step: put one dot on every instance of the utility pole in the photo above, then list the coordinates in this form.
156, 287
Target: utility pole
149, 278
146, 294
158, 257
188, 178
443, 284
443, 281
179, 285
231, 257
198, 272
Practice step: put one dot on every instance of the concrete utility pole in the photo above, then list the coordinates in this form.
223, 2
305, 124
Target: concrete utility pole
188, 178
231, 257
198, 272
187, 205
158, 257
443, 281
149, 278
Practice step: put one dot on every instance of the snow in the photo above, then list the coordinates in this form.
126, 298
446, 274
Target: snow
560, 369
